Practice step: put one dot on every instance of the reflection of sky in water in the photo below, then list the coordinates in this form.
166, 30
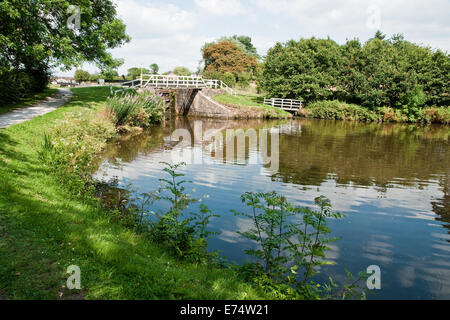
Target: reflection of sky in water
394, 227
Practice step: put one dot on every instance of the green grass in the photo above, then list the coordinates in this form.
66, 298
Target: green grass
251, 101
44, 229
28, 101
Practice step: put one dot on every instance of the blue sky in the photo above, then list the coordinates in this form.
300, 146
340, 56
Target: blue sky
171, 33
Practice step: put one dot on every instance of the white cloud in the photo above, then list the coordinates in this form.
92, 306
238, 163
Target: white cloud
147, 19
171, 33
169, 51
263, 44
161, 33
423, 22
220, 7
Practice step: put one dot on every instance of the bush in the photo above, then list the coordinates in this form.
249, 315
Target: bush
228, 78
19, 84
71, 144
291, 243
387, 114
412, 104
136, 109
244, 80
337, 110
182, 71
186, 236
81, 75
436, 115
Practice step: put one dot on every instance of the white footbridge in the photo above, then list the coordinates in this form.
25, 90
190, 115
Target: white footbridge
197, 83
175, 82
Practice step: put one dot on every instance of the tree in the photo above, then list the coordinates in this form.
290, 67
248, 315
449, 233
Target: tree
307, 69
81, 75
243, 42
244, 80
108, 74
154, 68
226, 56
379, 35
136, 72
228, 78
182, 71
248, 45
381, 73
35, 35
35, 31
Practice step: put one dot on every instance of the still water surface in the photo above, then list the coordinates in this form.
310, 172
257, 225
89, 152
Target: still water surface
391, 181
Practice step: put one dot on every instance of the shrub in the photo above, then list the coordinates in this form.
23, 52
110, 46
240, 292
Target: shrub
70, 145
436, 115
18, 84
182, 71
292, 242
185, 235
412, 104
244, 80
228, 78
81, 75
136, 109
387, 114
336, 110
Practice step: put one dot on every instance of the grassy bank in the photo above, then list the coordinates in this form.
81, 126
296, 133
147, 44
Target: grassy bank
336, 110
28, 101
45, 227
252, 102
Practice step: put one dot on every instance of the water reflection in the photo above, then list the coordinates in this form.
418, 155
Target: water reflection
392, 181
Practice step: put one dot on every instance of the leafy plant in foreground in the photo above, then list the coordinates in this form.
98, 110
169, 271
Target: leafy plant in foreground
187, 235
136, 109
290, 239
70, 145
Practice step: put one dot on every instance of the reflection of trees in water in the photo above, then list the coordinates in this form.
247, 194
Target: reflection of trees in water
157, 138
442, 206
366, 154
312, 152
129, 147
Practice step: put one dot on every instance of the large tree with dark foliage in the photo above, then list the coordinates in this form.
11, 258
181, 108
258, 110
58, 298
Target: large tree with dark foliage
35, 36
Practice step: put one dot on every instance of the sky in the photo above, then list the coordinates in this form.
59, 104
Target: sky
171, 33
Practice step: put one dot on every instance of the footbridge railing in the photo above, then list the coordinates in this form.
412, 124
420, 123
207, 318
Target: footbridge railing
284, 104
176, 82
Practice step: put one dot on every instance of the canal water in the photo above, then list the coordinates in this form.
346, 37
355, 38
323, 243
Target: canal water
391, 181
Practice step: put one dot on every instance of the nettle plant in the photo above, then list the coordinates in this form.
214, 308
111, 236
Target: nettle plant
186, 234
292, 243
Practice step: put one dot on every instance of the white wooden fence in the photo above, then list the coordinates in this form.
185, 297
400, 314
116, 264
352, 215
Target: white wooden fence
284, 104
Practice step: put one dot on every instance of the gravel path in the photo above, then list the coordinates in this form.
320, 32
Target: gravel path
35, 110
